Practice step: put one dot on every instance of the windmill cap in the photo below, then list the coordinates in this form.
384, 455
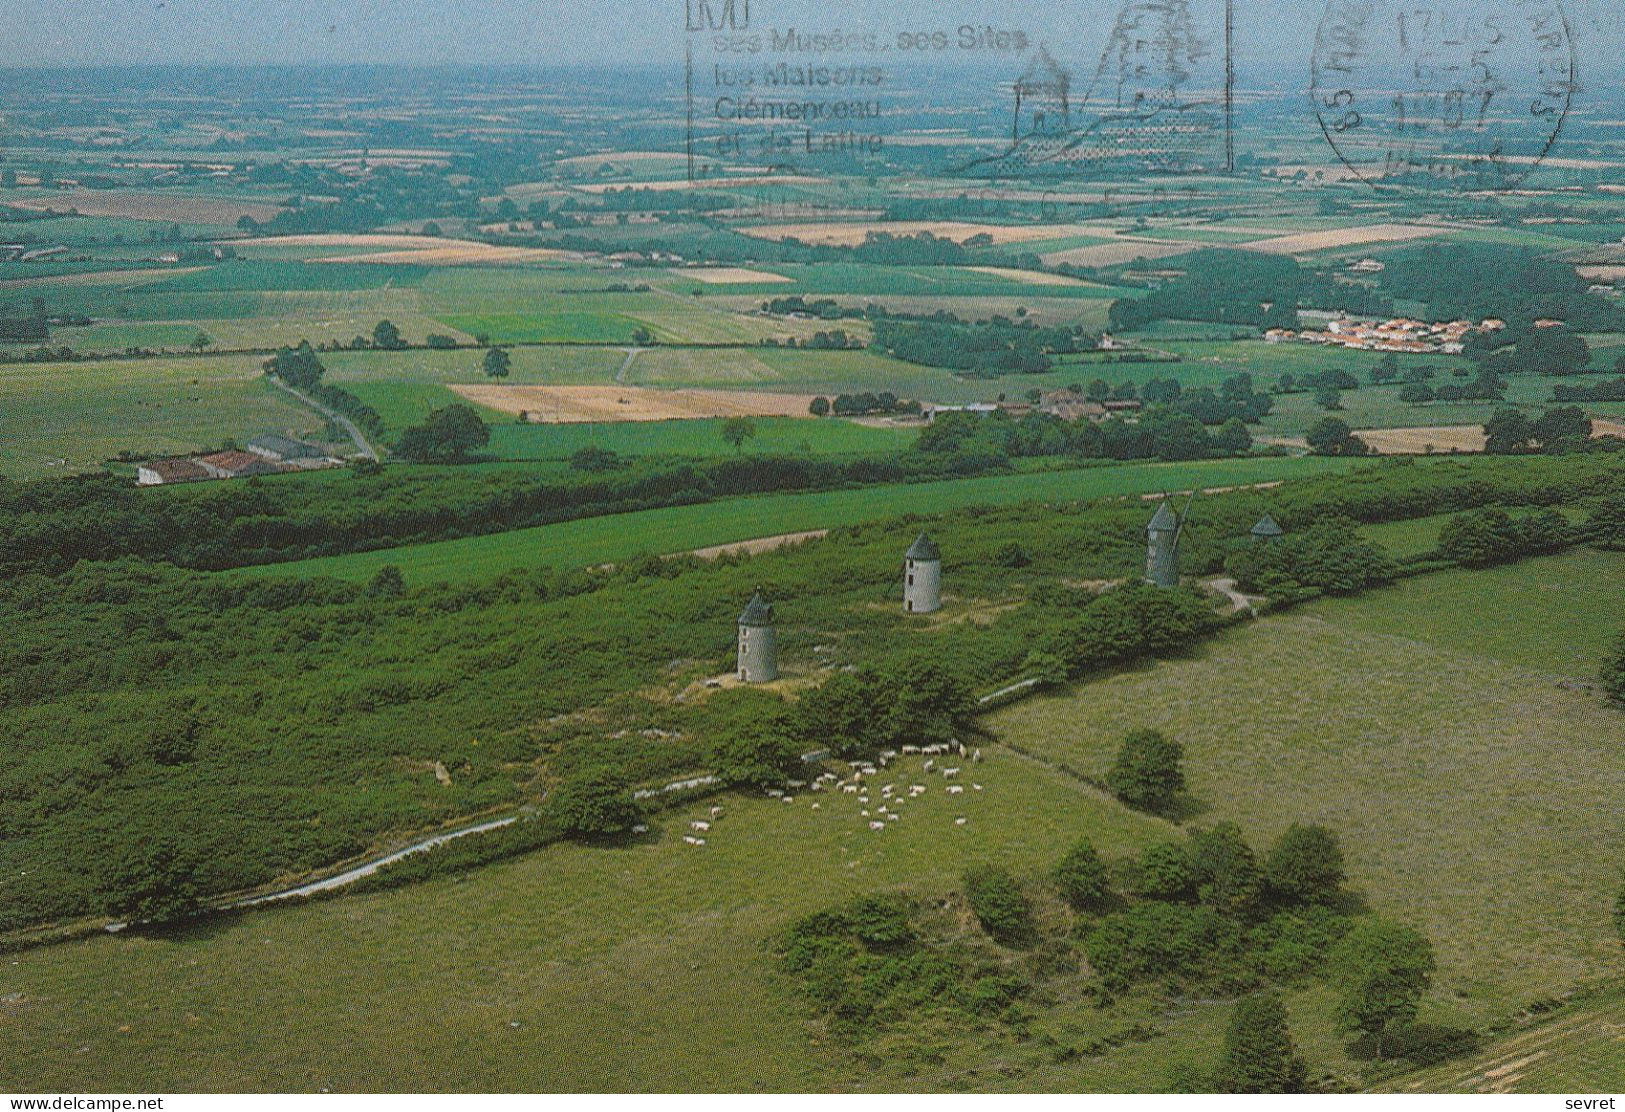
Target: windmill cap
758, 612
1267, 527
923, 548
1164, 520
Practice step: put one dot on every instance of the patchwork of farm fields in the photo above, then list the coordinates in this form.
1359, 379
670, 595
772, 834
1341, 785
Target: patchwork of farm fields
682, 528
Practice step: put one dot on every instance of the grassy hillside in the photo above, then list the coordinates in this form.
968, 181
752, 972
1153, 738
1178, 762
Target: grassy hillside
1465, 782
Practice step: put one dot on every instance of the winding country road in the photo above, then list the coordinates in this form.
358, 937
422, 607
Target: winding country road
363, 448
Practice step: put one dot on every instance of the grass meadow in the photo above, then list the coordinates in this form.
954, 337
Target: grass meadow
86, 413
1469, 789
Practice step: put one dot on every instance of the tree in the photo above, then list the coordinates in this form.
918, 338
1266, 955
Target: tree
819, 407
1328, 398
737, 430
1333, 437
387, 582
839, 713
1164, 872
446, 436
1508, 431
1233, 437
594, 802
1561, 427
201, 342
1381, 970
1305, 864
1386, 370
1416, 393
919, 698
497, 363
1613, 672
1147, 773
999, 903
386, 336
1081, 878
1228, 876
1258, 1055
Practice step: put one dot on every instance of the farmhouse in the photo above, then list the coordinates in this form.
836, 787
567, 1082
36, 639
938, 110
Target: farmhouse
282, 449
161, 471
235, 465
758, 642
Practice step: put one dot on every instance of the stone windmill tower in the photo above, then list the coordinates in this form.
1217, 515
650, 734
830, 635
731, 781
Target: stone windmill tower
758, 642
922, 577
1162, 550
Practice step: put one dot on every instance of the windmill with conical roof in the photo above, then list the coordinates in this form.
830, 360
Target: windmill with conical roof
1267, 530
922, 576
758, 642
1162, 547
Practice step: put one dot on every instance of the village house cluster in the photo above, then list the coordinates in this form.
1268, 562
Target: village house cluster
1398, 335
265, 455
1068, 405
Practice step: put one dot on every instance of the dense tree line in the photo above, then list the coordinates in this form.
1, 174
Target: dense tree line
1229, 287
1491, 280
992, 347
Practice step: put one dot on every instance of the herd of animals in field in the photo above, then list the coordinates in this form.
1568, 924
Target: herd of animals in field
861, 782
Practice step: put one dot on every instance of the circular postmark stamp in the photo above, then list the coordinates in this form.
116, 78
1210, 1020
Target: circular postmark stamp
1459, 91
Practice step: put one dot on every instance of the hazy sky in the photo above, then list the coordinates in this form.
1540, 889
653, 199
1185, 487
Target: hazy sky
57, 32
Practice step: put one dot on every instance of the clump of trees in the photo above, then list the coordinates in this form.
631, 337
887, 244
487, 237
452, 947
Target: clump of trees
913, 698
1259, 1055
447, 435
1512, 432
1485, 537
992, 348
594, 802
1329, 556
1227, 286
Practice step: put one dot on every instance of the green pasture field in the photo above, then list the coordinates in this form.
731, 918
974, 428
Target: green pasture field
1465, 783
697, 438
1577, 1051
642, 967
681, 528
117, 336
87, 413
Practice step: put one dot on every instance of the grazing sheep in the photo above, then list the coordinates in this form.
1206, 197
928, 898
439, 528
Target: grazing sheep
949, 773
978, 787
775, 793
850, 789
640, 828
815, 806
697, 824
956, 790
796, 783
910, 750
865, 814
789, 799
929, 765
691, 840
959, 822
977, 756
716, 812
877, 826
